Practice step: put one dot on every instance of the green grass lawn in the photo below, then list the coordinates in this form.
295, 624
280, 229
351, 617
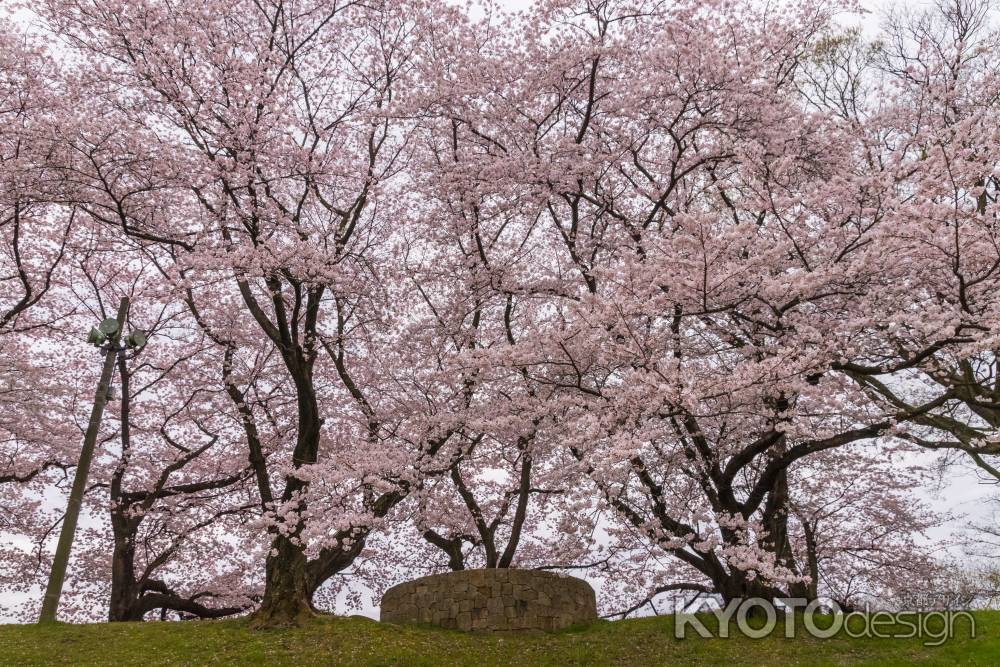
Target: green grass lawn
360, 641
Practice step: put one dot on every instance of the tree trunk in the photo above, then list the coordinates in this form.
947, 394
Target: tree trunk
813, 558
738, 586
287, 590
124, 587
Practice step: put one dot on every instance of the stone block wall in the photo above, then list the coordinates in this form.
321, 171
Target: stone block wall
492, 600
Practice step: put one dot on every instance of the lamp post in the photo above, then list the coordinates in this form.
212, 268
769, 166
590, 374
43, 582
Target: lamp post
108, 332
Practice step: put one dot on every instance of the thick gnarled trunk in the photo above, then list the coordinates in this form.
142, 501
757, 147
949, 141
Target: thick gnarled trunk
288, 588
124, 587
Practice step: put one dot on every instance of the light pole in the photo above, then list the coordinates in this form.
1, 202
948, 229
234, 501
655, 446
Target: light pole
108, 332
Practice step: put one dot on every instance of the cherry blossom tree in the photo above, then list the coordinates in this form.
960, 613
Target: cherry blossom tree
858, 528
701, 242
35, 228
280, 151
160, 491
156, 524
936, 307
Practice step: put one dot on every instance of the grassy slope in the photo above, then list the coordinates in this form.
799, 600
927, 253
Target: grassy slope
360, 641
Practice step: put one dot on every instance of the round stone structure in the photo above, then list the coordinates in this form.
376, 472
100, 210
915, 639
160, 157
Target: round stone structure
492, 600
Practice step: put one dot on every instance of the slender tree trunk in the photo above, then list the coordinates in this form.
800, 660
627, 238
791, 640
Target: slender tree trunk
124, 587
813, 558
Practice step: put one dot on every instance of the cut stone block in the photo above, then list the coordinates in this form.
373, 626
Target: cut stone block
493, 600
